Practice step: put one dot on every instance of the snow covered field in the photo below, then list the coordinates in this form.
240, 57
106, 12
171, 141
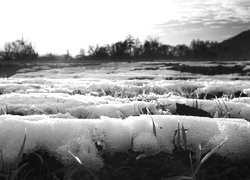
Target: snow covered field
116, 105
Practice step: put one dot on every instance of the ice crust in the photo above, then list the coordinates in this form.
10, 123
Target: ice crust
104, 85
77, 105
94, 107
60, 135
50, 100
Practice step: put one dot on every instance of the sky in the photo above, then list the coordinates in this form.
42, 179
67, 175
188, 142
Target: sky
55, 26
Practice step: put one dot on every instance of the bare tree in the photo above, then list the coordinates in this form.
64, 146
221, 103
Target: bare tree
19, 50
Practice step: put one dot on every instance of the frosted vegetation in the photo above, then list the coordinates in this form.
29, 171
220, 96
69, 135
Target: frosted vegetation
121, 106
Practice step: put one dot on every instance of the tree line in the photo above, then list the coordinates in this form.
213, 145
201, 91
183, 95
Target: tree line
152, 49
18, 50
130, 48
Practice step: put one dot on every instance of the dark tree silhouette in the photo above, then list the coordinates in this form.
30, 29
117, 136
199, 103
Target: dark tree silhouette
151, 47
132, 48
201, 49
165, 51
19, 50
98, 51
119, 49
181, 50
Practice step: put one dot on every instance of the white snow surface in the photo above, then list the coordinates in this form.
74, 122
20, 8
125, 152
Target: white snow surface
93, 107
77, 105
60, 135
73, 108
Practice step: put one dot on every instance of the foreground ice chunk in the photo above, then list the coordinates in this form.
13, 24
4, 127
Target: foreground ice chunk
80, 136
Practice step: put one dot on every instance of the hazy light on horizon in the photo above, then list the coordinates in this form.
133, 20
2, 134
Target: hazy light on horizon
60, 25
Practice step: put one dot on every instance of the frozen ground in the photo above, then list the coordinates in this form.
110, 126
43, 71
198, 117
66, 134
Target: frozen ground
141, 75
72, 107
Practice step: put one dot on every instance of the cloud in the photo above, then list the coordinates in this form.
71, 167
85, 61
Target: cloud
207, 19
214, 9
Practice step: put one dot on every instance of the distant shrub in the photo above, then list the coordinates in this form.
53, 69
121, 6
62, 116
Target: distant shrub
54, 57
49, 56
19, 50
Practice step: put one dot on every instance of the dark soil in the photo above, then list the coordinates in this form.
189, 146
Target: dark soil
141, 78
123, 166
182, 109
180, 78
7, 70
219, 94
209, 70
127, 166
42, 165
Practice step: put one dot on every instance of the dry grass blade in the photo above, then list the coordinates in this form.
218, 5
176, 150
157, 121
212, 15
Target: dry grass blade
89, 114
191, 162
198, 153
6, 109
132, 141
184, 137
121, 168
55, 177
76, 158
136, 109
207, 156
178, 136
39, 157
13, 176
227, 115
85, 167
60, 170
154, 128
2, 160
20, 154
28, 173
218, 103
148, 111
141, 156
226, 107
100, 153
57, 109
216, 114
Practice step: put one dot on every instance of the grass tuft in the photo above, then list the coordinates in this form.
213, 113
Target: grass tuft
12, 173
84, 167
207, 156
199, 162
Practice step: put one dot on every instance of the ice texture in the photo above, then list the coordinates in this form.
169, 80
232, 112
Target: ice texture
80, 136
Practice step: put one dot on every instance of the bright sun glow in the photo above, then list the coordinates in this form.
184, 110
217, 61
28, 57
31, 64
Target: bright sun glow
57, 25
